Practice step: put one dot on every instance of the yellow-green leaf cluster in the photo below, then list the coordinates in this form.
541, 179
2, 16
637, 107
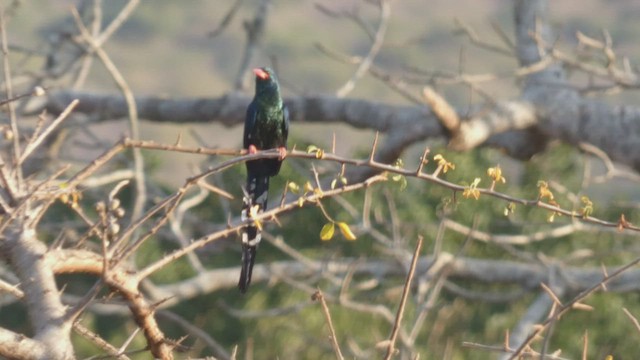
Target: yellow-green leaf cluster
587, 209
399, 178
544, 192
495, 173
328, 230
341, 178
471, 191
306, 189
443, 164
312, 149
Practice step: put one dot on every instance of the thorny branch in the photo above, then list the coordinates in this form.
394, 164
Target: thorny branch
154, 336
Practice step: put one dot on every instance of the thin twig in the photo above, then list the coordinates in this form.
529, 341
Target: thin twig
403, 301
633, 319
98, 341
568, 306
317, 296
138, 161
255, 29
9, 91
35, 143
226, 20
117, 22
87, 58
363, 67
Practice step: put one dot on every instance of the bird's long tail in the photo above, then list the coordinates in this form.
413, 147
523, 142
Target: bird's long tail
257, 194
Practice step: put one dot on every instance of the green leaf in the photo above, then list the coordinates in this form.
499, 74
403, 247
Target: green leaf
327, 231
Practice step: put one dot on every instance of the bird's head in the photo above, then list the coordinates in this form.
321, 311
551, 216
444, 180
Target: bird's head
265, 79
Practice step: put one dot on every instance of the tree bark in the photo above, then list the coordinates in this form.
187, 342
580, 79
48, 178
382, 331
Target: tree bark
46, 312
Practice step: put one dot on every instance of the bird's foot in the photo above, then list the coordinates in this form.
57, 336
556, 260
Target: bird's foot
283, 153
252, 149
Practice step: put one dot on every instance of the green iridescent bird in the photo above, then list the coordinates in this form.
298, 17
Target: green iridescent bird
266, 127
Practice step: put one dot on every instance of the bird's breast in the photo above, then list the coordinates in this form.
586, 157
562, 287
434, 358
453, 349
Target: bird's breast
268, 134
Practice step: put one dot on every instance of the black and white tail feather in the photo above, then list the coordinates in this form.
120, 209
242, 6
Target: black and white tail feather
256, 194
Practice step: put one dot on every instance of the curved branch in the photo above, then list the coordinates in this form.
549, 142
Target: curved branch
125, 282
18, 346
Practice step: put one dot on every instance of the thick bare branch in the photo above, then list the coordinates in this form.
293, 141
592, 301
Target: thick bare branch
529, 276
44, 306
522, 128
18, 346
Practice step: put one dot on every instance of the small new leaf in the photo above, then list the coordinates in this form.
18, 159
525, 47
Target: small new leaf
472, 191
312, 149
334, 182
543, 191
623, 223
401, 179
403, 183
587, 209
495, 173
293, 187
346, 231
308, 187
327, 231
510, 209
552, 217
71, 199
443, 164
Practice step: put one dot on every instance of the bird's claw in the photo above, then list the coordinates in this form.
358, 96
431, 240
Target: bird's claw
282, 151
252, 149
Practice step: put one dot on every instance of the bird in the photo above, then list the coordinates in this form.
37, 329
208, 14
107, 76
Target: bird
266, 127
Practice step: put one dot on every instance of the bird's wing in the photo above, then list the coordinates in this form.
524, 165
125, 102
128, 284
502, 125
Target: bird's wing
249, 124
285, 124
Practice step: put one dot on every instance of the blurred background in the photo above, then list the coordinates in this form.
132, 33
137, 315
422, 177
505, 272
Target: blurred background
166, 48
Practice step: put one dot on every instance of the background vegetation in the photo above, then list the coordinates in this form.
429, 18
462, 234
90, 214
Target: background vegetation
479, 272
